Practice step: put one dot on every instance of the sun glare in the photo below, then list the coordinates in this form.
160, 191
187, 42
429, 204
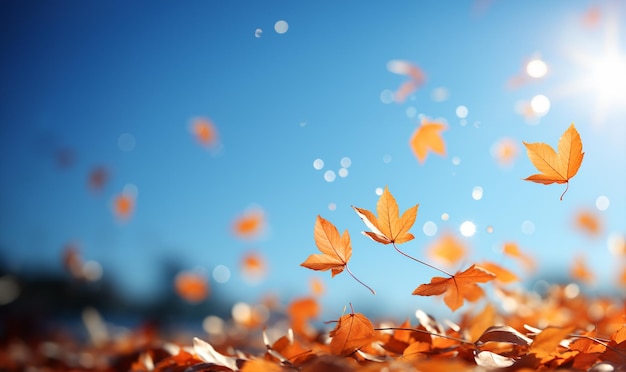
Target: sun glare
609, 79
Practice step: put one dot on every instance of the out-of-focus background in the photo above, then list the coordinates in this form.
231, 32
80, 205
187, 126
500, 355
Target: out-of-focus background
159, 156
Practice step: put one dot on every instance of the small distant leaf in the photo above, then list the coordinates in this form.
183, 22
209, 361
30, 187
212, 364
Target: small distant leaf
512, 249
205, 131
556, 167
389, 227
191, 286
580, 271
448, 248
414, 73
460, 286
352, 332
589, 222
502, 275
249, 224
427, 137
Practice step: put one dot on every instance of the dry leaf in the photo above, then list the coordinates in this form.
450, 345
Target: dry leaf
249, 224
336, 249
558, 166
191, 286
502, 275
427, 137
414, 73
580, 271
448, 248
352, 332
388, 227
512, 249
460, 286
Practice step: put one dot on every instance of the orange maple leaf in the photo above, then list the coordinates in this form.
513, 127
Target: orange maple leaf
558, 166
352, 332
192, 287
427, 137
249, 224
388, 227
512, 249
448, 248
336, 250
458, 287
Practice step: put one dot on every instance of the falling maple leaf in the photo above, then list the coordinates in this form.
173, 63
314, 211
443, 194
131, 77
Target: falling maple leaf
580, 271
352, 332
414, 73
98, 177
191, 286
427, 137
505, 151
458, 287
559, 166
300, 312
448, 248
253, 266
512, 249
389, 227
336, 250
502, 275
250, 224
589, 222
205, 131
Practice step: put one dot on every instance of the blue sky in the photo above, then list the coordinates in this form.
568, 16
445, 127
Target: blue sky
79, 75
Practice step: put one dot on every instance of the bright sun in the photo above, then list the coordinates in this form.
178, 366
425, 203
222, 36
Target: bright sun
604, 75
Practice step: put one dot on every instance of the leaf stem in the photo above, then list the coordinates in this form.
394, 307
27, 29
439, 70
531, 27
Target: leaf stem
566, 187
357, 279
422, 262
426, 332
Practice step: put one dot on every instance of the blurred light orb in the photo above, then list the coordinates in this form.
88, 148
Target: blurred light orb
332, 206
9, 289
329, 176
461, 112
602, 203
440, 94
92, 270
528, 227
467, 229
126, 142
386, 158
456, 160
221, 274
343, 172
411, 112
379, 191
281, 27
213, 325
429, 228
318, 164
617, 244
241, 312
445, 217
489, 229
345, 162
387, 96
540, 105
130, 190
477, 193
258, 32
536, 68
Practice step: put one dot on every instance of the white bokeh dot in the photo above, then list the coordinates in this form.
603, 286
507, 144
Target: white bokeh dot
456, 160
528, 227
445, 217
429, 228
345, 162
343, 172
477, 193
602, 203
332, 206
281, 26
386, 158
386, 96
461, 112
329, 176
221, 274
318, 164
467, 229
379, 191
258, 32
540, 105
